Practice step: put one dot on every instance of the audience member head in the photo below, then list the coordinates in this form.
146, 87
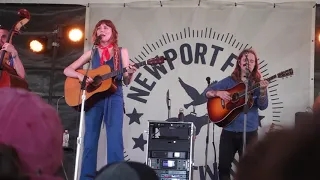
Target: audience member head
316, 104
289, 154
10, 164
125, 171
33, 128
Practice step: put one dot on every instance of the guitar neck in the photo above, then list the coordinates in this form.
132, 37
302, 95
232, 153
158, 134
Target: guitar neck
257, 85
121, 71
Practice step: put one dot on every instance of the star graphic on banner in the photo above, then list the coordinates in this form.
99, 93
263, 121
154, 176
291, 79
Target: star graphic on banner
139, 142
134, 116
260, 118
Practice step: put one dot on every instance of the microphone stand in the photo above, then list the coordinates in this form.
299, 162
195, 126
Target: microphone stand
168, 104
207, 141
245, 109
82, 114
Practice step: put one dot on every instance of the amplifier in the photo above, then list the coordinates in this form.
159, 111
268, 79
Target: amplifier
172, 175
170, 149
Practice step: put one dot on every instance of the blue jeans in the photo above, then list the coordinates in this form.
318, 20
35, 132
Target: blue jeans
112, 109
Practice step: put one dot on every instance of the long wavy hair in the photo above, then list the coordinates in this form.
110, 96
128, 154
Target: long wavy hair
255, 74
113, 40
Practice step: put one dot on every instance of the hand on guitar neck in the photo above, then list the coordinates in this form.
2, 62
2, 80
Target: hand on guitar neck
263, 87
131, 69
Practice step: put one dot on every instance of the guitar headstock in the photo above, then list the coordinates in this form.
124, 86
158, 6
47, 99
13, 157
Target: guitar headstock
286, 73
156, 60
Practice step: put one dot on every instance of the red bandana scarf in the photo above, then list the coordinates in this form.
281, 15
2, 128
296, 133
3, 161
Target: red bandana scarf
105, 55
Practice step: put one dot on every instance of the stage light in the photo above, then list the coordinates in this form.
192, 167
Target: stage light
38, 44
70, 34
75, 34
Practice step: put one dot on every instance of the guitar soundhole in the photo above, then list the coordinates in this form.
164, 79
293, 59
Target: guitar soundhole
97, 80
235, 97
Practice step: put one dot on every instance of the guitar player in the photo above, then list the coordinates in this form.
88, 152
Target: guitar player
109, 108
232, 134
14, 60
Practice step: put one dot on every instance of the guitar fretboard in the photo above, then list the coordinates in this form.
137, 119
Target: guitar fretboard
123, 70
257, 85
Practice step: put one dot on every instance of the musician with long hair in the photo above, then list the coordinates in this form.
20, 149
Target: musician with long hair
231, 140
110, 108
14, 59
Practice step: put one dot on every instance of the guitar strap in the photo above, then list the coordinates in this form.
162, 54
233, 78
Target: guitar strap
121, 66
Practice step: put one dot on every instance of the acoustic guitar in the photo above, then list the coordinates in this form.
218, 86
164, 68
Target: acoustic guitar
103, 84
222, 113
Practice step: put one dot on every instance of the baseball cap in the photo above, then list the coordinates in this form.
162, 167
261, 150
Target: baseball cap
34, 129
126, 170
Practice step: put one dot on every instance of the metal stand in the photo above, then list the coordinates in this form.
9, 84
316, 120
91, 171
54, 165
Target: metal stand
206, 151
245, 109
207, 142
57, 34
79, 139
215, 164
168, 104
83, 88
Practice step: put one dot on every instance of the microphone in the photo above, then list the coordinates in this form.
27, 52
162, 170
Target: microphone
97, 41
245, 65
181, 115
247, 62
208, 80
94, 48
168, 97
248, 72
168, 100
168, 104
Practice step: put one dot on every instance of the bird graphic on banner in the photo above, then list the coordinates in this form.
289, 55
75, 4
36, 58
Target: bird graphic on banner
197, 98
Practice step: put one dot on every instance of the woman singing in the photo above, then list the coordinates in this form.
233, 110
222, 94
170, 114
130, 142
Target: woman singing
110, 107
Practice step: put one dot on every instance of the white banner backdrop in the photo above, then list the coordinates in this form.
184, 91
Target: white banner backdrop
204, 42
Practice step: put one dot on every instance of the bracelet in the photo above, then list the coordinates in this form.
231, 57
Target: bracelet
14, 55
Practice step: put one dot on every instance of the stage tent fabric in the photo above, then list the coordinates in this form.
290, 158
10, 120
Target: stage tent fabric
165, 2
199, 42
